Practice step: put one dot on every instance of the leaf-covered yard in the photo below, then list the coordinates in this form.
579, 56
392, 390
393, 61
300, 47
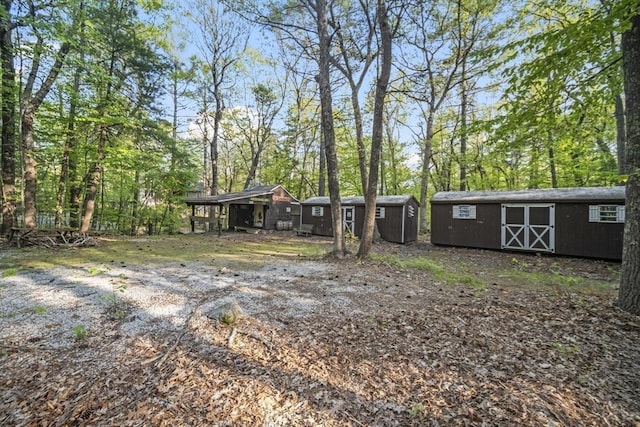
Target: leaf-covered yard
119, 334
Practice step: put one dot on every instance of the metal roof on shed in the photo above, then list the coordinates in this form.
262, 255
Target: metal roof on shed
257, 191
398, 200
537, 195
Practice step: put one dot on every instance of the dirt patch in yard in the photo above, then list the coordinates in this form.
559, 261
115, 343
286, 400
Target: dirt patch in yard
419, 335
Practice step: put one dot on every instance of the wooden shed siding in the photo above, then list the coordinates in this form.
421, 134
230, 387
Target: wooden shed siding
411, 221
574, 234
390, 227
482, 232
359, 220
321, 224
410, 231
277, 211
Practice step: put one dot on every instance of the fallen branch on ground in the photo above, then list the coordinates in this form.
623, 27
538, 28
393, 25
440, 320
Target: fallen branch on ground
163, 357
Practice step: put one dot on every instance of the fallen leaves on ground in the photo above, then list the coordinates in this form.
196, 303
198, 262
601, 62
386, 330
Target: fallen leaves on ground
387, 347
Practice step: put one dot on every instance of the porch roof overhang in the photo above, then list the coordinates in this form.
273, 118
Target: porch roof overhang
259, 194
223, 199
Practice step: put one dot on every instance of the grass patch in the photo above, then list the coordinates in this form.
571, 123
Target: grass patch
39, 310
416, 410
440, 272
532, 273
558, 282
94, 271
231, 250
225, 251
80, 332
516, 273
10, 272
567, 351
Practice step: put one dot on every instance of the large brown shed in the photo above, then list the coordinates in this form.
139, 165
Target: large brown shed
260, 207
583, 222
396, 216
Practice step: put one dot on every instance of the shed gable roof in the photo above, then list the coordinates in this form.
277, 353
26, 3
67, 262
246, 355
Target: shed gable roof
257, 191
538, 195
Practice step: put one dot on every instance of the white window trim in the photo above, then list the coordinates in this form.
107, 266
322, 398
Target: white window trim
380, 212
597, 214
317, 211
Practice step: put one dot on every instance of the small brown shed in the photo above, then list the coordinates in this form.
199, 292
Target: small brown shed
260, 207
583, 222
396, 216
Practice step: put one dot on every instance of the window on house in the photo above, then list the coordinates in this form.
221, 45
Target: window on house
317, 211
464, 211
606, 213
411, 211
380, 212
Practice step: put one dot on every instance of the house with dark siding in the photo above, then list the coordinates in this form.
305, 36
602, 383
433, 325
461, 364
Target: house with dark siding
260, 207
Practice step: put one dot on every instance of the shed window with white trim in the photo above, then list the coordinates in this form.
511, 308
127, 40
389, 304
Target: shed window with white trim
464, 212
380, 212
317, 211
411, 211
606, 213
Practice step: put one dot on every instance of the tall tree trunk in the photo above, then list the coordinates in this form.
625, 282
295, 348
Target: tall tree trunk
92, 181
223, 40
75, 194
68, 173
362, 150
534, 166
620, 133
70, 145
206, 145
30, 105
135, 205
94, 176
30, 176
8, 99
253, 167
464, 100
629, 291
366, 241
551, 153
552, 168
322, 169
392, 167
213, 146
363, 55
175, 95
618, 112
213, 154
326, 103
424, 174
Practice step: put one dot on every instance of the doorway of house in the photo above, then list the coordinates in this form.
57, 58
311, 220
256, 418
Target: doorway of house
258, 216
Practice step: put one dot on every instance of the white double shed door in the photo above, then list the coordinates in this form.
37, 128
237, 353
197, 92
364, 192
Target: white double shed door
528, 227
